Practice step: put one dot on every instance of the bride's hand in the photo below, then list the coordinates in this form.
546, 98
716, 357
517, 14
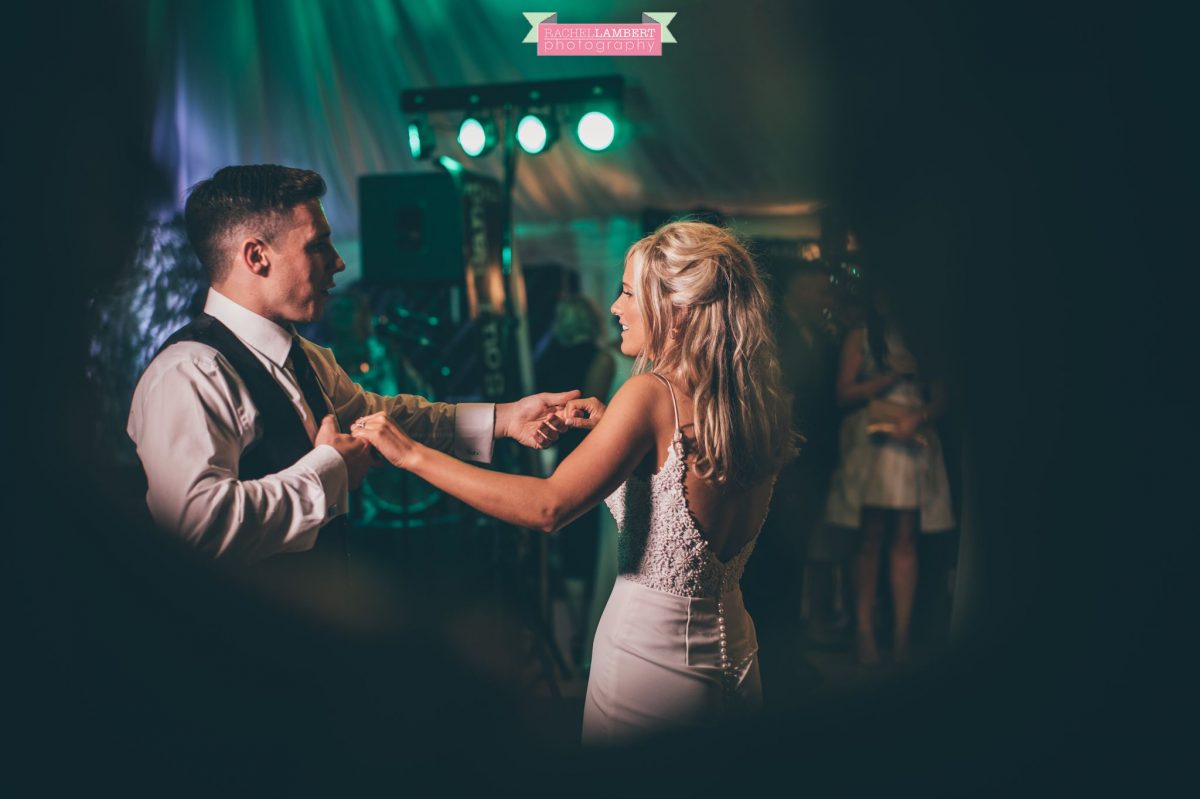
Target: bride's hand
583, 414
386, 437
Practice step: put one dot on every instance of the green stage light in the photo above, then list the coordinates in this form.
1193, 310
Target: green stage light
596, 130
536, 133
421, 139
477, 138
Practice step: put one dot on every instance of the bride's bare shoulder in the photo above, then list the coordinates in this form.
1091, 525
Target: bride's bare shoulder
642, 401
643, 390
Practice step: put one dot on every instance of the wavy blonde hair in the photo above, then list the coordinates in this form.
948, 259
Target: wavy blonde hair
707, 317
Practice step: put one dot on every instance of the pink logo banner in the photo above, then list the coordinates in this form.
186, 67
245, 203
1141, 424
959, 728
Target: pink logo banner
599, 39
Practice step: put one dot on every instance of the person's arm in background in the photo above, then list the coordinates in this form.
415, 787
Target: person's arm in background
602, 461
850, 390
908, 426
191, 420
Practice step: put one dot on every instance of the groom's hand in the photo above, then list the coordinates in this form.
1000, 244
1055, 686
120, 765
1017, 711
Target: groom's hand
356, 453
532, 421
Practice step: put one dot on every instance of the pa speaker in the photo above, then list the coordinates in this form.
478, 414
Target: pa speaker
428, 227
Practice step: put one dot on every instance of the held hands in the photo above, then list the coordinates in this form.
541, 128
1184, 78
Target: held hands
533, 420
357, 454
379, 431
582, 414
538, 420
906, 427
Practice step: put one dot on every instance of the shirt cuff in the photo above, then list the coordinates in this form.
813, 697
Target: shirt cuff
331, 470
474, 431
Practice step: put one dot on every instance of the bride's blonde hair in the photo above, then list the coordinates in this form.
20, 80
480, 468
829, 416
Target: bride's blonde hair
707, 316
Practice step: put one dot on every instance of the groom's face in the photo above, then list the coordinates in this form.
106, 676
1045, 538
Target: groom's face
303, 262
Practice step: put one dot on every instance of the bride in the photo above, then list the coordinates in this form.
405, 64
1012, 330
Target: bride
685, 457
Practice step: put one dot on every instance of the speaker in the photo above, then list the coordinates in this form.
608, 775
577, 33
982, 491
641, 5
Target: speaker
429, 227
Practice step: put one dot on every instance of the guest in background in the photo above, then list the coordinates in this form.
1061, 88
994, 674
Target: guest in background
576, 352
892, 473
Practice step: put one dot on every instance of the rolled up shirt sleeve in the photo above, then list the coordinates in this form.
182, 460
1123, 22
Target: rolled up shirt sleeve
465, 430
191, 419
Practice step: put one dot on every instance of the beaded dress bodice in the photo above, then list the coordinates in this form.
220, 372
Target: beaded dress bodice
659, 543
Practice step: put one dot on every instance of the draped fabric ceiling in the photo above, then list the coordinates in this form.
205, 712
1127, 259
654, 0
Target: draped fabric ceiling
728, 118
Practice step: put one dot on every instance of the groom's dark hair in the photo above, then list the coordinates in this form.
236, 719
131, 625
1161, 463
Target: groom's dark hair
238, 195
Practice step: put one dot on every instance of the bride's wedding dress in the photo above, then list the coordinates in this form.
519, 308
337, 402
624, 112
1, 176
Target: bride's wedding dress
675, 646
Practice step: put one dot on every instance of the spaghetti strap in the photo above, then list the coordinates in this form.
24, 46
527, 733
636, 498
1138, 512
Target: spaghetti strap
674, 404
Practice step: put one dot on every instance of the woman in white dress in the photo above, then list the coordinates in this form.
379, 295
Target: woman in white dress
686, 456
891, 470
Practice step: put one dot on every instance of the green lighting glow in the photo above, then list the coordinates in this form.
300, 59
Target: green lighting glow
475, 137
421, 139
414, 140
531, 133
596, 131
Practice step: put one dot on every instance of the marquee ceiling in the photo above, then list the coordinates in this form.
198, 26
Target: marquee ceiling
730, 116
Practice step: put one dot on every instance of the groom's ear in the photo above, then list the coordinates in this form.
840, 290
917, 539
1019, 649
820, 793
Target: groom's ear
255, 256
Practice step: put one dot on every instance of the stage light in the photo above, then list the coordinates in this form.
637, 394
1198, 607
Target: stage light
596, 130
421, 139
536, 133
476, 137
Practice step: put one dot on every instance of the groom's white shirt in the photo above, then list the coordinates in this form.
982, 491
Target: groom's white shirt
192, 417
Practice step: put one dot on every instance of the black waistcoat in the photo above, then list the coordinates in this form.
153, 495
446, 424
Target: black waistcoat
283, 441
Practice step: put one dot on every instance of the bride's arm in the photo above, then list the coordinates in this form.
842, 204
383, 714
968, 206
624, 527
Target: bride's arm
605, 458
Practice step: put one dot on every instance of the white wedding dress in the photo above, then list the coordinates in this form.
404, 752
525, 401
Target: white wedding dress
675, 646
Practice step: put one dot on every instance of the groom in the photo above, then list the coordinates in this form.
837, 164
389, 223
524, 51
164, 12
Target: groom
241, 425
